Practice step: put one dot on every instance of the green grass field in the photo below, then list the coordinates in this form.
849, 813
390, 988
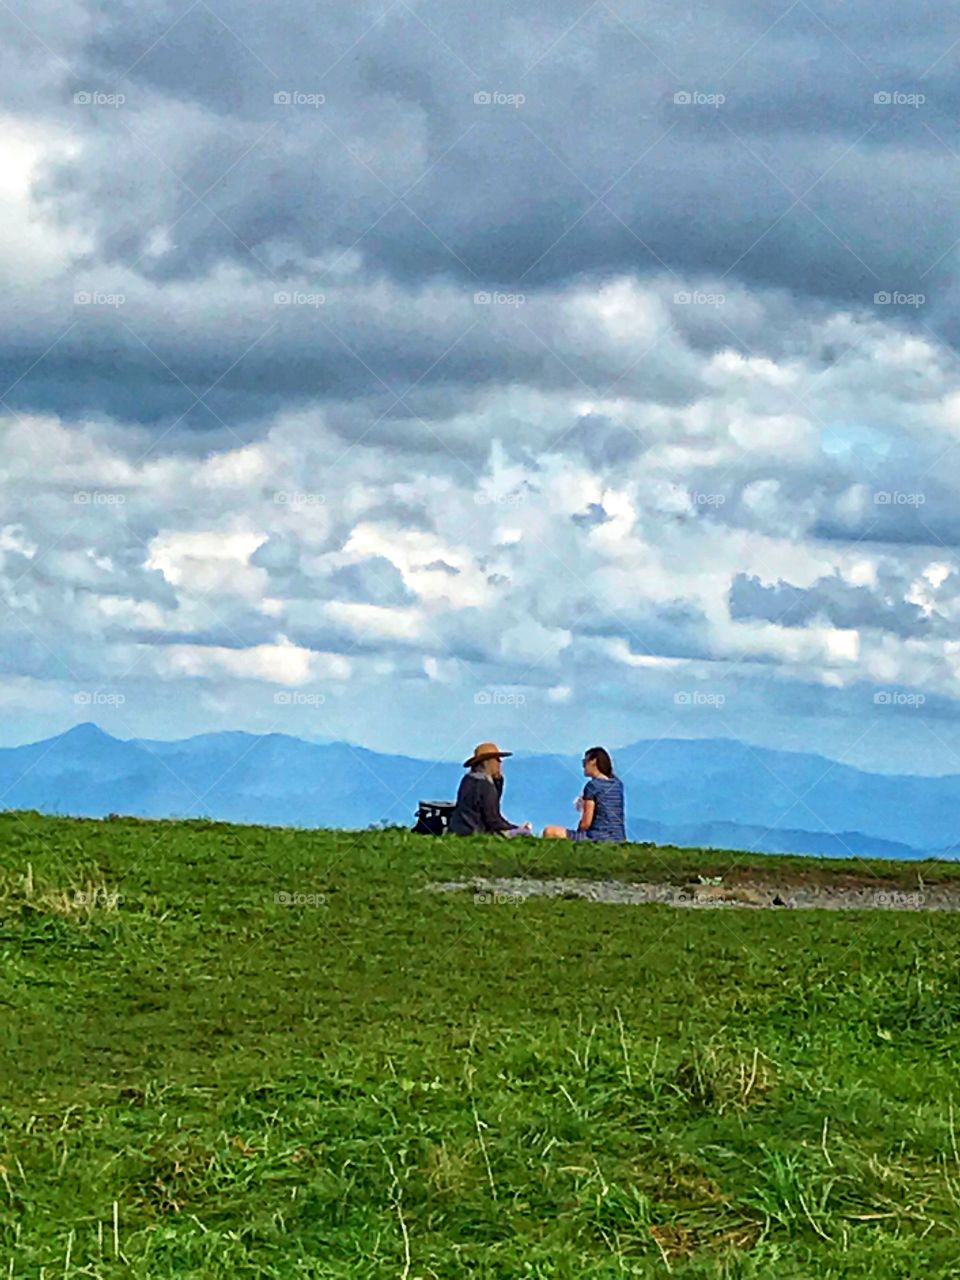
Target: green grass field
199, 1080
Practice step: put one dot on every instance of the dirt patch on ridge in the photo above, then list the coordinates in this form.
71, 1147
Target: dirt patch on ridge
754, 893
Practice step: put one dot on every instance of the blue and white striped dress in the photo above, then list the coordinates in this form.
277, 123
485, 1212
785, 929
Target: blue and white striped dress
608, 814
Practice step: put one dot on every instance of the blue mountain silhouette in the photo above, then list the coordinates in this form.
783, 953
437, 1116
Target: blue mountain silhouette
712, 792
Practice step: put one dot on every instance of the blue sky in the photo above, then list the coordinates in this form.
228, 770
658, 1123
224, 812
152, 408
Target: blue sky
420, 373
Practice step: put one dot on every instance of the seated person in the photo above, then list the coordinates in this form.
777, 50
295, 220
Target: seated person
478, 798
601, 805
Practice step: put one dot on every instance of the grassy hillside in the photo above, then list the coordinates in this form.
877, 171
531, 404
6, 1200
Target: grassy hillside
199, 1079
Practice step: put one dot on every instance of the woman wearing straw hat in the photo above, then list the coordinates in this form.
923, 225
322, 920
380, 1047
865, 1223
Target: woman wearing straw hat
478, 799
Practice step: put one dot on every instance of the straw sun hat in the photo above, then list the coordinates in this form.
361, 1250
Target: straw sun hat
486, 751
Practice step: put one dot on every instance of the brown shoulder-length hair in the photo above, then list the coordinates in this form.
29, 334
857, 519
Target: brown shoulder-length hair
601, 759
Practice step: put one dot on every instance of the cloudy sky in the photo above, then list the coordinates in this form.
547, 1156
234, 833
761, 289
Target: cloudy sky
419, 373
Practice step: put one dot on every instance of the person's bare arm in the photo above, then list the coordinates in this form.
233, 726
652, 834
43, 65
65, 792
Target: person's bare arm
586, 814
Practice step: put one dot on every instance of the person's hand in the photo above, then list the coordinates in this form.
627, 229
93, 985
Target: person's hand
578, 804
527, 826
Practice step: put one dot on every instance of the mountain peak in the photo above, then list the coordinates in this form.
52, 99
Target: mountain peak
86, 732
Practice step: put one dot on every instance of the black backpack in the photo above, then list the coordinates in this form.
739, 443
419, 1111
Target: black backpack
433, 816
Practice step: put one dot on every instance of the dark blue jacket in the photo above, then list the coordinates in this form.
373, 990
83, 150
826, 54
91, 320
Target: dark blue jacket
478, 806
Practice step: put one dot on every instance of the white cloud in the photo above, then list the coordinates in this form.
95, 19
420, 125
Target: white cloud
281, 663
591, 569
199, 560
376, 622
33, 250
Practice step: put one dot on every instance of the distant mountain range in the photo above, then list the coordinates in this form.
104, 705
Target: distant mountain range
716, 793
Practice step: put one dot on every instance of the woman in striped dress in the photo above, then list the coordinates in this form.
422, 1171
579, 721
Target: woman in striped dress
601, 805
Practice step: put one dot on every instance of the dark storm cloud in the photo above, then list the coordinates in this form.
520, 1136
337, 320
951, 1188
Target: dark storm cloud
521, 187
678, 630
372, 581
609, 444
830, 600
388, 364
242, 632
593, 515
799, 179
